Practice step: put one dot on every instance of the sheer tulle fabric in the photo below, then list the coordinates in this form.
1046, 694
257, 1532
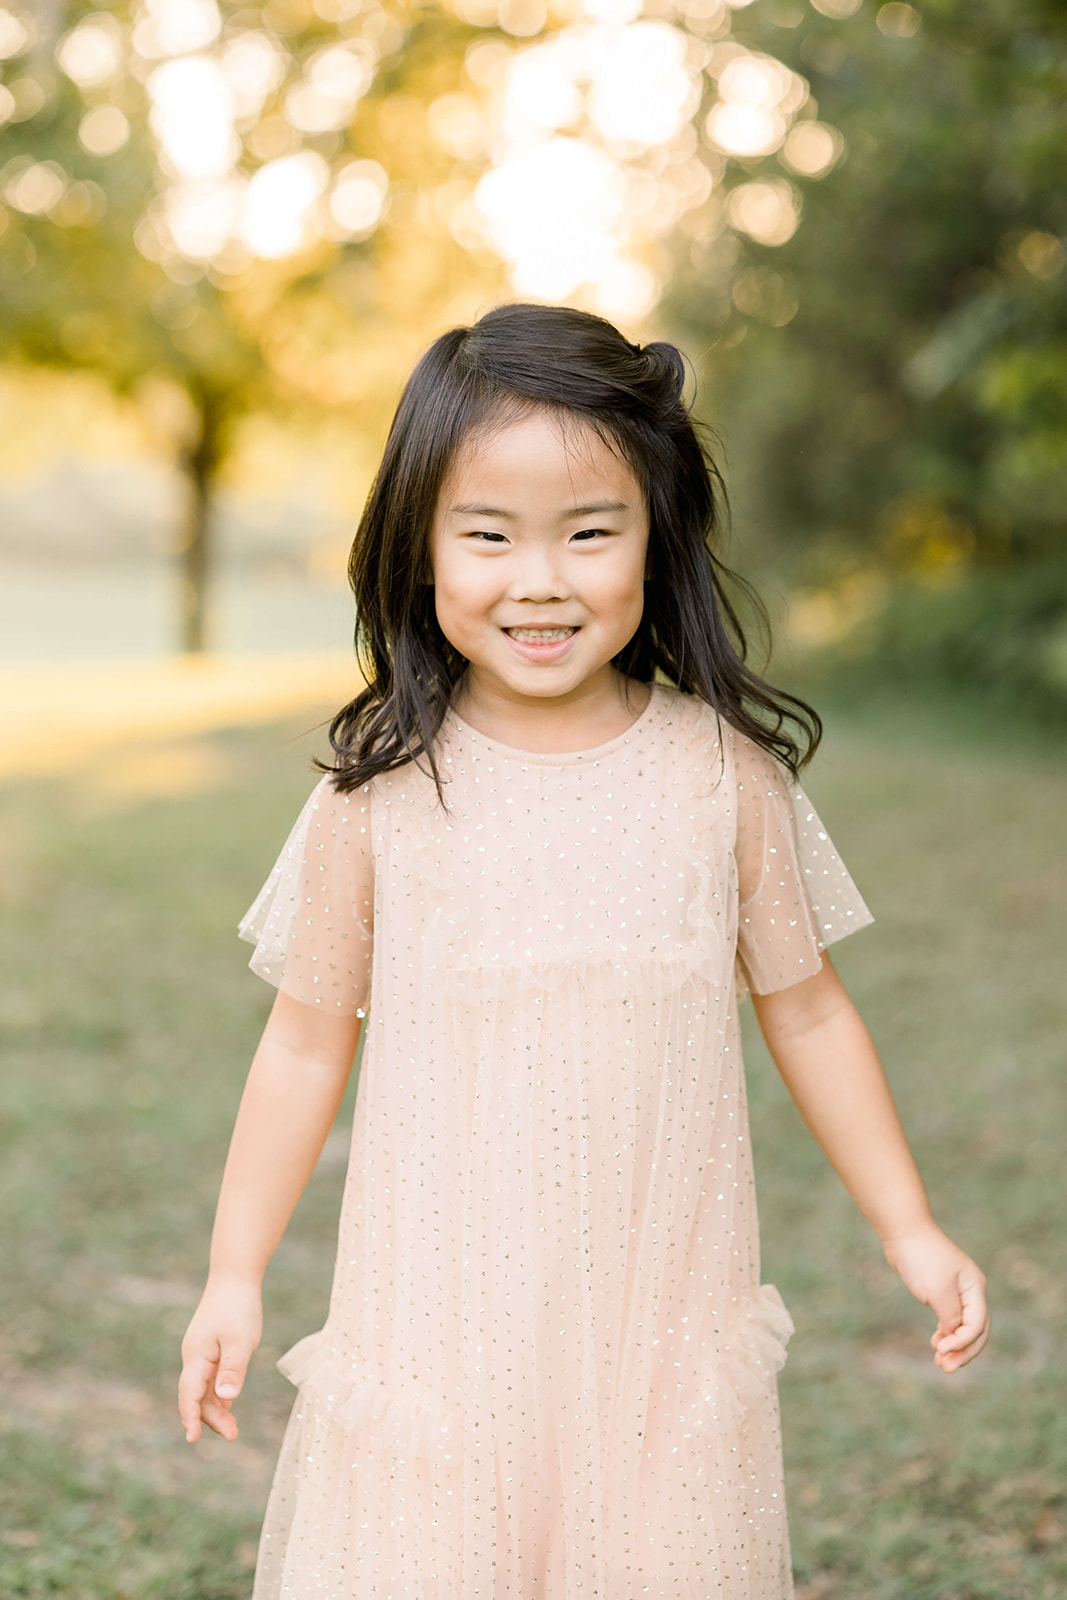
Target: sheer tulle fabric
312, 922
548, 1370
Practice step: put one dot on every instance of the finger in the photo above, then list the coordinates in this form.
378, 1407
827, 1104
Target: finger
949, 1360
975, 1349
947, 1305
959, 1358
233, 1364
975, 1317
220, 1419
959, 1340
959, 1353
192, 1386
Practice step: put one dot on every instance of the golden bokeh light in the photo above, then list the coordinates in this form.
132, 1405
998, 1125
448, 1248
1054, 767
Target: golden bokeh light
593, 155
201, 215
27, 98
103, 130
812, 148
838, 9
358, 199
898, 21
336, 80
16, 34
551, 212
458, 125
33, 187
281, 201
175, 27
767, 211
1042, 254
192, 116
641, 90
580, 139
91, 53
758, 97
254, 66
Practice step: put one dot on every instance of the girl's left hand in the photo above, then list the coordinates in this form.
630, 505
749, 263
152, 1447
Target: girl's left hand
939, 1275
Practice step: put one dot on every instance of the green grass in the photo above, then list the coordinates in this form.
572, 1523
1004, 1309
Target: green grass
127, 1019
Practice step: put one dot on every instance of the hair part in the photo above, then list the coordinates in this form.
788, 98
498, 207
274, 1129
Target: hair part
516, 359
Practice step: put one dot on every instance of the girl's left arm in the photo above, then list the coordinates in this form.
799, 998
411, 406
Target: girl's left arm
829, 1064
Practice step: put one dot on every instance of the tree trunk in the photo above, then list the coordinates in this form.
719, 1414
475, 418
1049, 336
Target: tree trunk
200, 461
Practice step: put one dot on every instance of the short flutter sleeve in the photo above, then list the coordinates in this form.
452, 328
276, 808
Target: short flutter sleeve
795, 895
312, 922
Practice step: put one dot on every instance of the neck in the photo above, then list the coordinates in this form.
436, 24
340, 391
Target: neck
592, 713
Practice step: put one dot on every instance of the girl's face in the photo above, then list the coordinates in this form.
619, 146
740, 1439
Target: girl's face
538, 547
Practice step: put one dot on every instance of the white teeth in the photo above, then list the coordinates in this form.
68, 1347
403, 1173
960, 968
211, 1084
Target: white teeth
540, 635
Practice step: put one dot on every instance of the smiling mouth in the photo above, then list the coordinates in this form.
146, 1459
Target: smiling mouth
539, 635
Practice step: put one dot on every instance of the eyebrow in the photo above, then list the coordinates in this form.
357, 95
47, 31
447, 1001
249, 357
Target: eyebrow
594, 507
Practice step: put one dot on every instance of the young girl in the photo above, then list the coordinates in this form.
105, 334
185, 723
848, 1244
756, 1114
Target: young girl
562, 836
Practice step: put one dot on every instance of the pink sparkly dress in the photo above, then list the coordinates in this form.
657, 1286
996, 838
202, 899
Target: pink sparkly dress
548, 1369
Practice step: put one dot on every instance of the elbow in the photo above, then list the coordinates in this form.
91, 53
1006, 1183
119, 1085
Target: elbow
802, 1008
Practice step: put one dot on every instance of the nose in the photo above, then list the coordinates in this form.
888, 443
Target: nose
539, 576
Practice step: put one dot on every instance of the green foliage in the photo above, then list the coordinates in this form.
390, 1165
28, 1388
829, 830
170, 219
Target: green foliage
1000, 633
924, 369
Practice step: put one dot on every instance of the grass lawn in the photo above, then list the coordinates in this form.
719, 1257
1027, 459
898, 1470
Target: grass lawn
128, 1018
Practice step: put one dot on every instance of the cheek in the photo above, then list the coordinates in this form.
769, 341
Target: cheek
448, 603
623, 594
444, 574
461, 585
464, 592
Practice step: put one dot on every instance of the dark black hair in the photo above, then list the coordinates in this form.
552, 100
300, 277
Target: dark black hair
515, 359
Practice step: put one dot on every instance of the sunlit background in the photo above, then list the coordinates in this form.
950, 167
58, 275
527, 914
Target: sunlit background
226, 231
578, 138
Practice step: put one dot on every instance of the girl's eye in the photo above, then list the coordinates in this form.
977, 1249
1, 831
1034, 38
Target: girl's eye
593, 533
484, 533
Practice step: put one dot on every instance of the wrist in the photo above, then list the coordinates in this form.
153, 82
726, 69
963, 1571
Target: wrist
227, 1275
892, 1231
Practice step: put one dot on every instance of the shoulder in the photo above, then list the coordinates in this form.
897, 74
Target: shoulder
686, 716
330, 799
702, 734
336, 819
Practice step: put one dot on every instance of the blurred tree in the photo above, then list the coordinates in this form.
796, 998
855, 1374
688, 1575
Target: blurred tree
891, 375
192, 201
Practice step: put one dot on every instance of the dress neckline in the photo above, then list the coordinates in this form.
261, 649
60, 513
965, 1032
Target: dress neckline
656, 703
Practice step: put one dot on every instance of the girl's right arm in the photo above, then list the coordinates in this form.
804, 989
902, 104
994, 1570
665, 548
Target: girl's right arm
295, 1085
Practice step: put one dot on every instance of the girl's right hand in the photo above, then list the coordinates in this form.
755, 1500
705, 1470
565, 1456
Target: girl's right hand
216, 1350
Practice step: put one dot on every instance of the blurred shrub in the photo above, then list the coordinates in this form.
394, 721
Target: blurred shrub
1000, 635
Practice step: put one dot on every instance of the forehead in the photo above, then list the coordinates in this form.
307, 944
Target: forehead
545, 452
